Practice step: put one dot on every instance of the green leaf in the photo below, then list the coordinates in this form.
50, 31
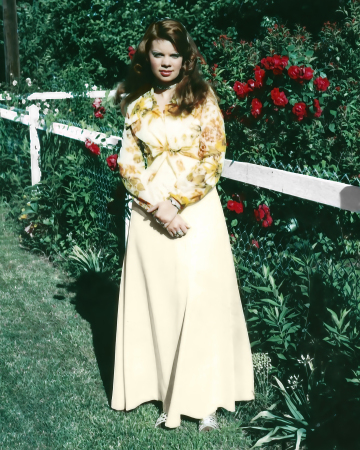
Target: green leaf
234, 222
274, 339
300, 433
272, 302
332, 128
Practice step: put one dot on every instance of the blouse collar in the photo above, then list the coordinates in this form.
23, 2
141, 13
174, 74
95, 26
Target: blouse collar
172, 100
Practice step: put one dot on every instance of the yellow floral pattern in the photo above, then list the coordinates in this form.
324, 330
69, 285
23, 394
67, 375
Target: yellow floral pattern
163, 156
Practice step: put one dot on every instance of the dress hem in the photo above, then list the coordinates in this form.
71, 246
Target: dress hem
182, 414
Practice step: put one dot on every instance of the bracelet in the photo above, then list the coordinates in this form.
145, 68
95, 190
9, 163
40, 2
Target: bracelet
175, 203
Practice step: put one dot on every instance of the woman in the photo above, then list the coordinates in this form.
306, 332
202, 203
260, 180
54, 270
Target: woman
181, 334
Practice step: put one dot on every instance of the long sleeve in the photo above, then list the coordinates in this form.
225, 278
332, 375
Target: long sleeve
192, 187
132, 166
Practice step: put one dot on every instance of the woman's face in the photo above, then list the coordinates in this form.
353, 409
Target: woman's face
165, 61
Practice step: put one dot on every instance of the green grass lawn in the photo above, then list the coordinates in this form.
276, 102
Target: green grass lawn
56, 347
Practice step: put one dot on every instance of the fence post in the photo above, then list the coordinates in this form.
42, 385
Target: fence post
34, 144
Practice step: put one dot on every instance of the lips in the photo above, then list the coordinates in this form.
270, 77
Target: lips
165, 73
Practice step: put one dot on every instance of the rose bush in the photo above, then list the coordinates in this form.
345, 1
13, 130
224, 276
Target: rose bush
284, 72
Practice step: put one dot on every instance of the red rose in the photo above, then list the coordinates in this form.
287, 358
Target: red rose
300, 73
255, 243
275, 63
262, 213
306, 73
300, 110
267, 221
280, 62
251, 84
112, 161
92, 147
99, 112
131, 51
268, 63
256, 106
321, 84
259, 214
278, 97
293, 72
235, 206
241, 89
231, 205
239, 207
259, 76
337, 88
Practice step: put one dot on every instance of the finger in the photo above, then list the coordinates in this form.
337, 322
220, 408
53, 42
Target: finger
185, 223
183, 229
152, 208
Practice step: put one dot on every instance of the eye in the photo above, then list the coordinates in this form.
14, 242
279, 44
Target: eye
175, 55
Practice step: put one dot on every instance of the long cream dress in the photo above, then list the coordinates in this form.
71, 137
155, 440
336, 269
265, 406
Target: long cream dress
181, 334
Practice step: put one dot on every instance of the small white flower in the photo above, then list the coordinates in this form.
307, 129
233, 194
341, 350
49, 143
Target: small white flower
14, 83
56, 110
23, 101
86, 85
38, 105
94, 88
46, 110
47, 104
8, 97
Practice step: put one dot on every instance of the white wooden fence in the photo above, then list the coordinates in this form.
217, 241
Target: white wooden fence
328, 192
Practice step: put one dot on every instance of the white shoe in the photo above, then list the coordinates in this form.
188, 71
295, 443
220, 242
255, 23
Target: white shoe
209, 423
161, 419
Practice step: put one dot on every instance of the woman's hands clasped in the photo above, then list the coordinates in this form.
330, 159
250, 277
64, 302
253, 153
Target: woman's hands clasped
167, 215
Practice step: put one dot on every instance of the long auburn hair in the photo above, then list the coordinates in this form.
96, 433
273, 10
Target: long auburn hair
190, 91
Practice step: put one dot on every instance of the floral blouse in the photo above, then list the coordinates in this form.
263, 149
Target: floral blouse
163, 156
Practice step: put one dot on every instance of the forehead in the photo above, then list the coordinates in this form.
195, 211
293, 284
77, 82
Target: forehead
163, 46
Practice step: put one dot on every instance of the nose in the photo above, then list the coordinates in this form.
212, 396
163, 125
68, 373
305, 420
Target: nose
165, 62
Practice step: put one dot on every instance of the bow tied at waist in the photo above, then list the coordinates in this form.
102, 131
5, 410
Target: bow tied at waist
185, 151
